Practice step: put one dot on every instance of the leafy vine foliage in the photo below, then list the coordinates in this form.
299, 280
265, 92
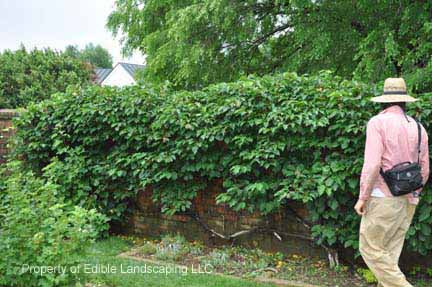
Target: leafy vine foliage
271, 140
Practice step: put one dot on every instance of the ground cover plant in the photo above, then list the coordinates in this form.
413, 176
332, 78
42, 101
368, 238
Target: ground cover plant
270, 140
255, 263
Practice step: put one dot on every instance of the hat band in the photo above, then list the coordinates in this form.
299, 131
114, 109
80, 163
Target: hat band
395, 93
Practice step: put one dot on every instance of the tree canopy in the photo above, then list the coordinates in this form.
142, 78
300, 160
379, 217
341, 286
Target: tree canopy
34, 75
194, 43
93, 54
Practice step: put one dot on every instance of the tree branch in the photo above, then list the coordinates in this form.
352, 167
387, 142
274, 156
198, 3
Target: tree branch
263, 38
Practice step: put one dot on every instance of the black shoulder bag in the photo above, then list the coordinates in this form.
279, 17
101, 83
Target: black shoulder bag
405, 177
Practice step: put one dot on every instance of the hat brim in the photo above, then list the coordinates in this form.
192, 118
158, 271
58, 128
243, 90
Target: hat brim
389, 98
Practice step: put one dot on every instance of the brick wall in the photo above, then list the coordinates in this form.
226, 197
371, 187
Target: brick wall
6, 116
294, 237
147, 220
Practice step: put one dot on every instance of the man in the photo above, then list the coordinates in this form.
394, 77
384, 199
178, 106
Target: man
391, 138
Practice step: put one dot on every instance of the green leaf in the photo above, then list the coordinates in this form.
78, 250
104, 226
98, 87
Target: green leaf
425, 213
426, 229
352, 183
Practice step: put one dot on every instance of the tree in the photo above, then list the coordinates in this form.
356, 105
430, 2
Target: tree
35, 75
194, 43
94, 54
97, 55
72, 51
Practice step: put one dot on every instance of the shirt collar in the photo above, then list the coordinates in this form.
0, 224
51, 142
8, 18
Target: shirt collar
395, 109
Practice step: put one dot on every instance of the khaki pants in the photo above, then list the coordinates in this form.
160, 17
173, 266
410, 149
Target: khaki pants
382, 235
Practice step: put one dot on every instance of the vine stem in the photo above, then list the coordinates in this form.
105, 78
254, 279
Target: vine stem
246, 231
332, 254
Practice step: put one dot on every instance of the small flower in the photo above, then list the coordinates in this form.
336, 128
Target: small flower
279, 264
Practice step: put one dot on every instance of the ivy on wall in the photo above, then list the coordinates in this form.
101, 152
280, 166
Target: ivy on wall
270, 139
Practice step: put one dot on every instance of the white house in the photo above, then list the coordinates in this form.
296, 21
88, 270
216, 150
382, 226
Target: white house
123, 74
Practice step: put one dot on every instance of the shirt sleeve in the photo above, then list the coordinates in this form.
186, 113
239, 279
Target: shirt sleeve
374, 149
424, 156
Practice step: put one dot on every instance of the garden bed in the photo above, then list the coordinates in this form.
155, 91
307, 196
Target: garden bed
105, 253
255, 263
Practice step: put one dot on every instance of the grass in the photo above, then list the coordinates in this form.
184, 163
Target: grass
253, 262
227, 260
104, 254
245, 262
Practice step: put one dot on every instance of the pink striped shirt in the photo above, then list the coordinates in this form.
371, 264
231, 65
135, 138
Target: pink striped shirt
391, 139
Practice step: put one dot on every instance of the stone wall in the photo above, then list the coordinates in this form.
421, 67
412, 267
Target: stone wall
6, 116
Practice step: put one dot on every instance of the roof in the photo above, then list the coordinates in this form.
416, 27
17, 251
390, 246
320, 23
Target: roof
131, 69
101, 74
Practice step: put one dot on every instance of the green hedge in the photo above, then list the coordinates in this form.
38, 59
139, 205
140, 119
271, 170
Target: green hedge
271, 140
34, 75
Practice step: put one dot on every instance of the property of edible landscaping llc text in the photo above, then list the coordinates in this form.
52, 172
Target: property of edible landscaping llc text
113, 269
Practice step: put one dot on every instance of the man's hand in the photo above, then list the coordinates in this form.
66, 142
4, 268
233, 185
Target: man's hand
360, 207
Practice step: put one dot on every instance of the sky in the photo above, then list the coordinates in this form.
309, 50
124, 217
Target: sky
58, 23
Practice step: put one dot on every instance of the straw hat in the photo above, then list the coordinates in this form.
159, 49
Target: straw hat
394, 91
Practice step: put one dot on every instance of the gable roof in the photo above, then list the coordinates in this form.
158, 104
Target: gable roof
101, 74
131, 69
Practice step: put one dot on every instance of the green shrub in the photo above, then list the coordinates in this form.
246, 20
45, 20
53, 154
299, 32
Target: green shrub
35, 75
39, 229
271, 140
367, 275
429, 271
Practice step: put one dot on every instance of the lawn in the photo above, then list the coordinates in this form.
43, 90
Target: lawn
104, 254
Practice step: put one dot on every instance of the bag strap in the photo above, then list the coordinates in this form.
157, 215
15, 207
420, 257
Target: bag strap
418, 137
419, 141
